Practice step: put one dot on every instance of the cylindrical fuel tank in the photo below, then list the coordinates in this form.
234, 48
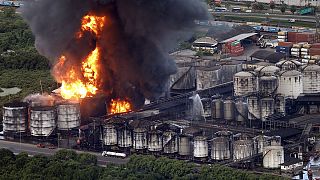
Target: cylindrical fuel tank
140, 139
42, 121
110, 135
229, 107
184, 145
220, 148
124, 137
217, 107
68, 115
15, 117
200, 147
155, 141
170, 142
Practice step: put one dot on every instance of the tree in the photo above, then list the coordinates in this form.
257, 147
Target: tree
272, 5
293, 9
9, 12
283, 8
65, 154
88, 159
227, 5
248, 4
255, 6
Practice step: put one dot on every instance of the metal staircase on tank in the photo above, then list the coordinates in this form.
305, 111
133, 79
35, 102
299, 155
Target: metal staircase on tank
306, 131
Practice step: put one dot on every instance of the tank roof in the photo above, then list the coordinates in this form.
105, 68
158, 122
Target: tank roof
244, 74
269, 68
268, 78
290, 73
289, 62
245, 141
311, 68
42, 108
200, 138
219, 139
15, 105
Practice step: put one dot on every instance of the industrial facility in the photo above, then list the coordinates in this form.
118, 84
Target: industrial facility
249, 121
260, 112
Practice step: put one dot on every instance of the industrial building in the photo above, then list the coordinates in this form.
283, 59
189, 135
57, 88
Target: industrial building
237, 113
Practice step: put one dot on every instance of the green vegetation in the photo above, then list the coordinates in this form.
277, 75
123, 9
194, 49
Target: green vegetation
293, 9
20, 64
283, 8
27, 80
67, 164
272, 5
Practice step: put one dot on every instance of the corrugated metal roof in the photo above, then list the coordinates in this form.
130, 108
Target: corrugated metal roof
239, 37
206, 40
270, 56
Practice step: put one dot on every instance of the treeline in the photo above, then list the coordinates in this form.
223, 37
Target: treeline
66, 164
17, 44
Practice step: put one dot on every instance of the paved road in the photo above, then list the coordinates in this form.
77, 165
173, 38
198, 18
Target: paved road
271, 16
31, 149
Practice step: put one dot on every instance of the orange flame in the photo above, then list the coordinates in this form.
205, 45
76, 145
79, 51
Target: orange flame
119, 106
75, 86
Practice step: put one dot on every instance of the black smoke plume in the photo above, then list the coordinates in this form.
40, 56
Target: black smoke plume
135, 42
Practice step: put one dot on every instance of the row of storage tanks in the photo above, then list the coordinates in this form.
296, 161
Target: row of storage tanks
287, 78
242, 109
40, 120
224, 146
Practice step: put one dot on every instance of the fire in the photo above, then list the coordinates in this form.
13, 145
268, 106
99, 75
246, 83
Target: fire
119, 106
93, 24
80, 85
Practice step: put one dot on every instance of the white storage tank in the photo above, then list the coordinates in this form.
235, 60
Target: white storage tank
68, 115
311, 79
155, 141
184, 145
254, 111
229, 107
267, 107
110, 137
42, 121
273, 156
291, 84
200, 147
170, 142
242, 149
245, 83
217, 107
260, 142
241, 110
140, 139
124, 137
15, 117
220, 148
268, 85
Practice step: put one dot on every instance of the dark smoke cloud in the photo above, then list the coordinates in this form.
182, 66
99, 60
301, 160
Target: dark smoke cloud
135, 41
